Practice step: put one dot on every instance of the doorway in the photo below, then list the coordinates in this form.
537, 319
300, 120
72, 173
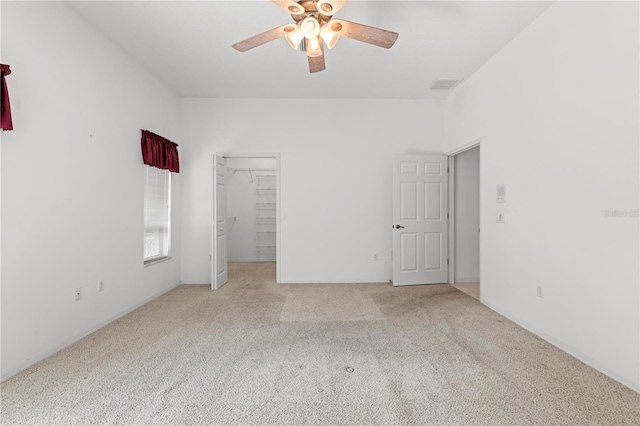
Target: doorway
464, 229
246, 212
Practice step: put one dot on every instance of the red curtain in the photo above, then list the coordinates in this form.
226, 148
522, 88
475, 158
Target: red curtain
159, 152
5, 108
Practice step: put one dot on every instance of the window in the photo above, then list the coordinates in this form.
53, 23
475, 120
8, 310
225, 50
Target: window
157, 217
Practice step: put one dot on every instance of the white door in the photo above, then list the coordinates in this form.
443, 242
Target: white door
420, 219
219, 240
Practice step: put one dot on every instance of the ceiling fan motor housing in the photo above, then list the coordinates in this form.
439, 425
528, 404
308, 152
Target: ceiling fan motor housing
311, 9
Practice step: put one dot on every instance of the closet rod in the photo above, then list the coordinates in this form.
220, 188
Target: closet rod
250, 170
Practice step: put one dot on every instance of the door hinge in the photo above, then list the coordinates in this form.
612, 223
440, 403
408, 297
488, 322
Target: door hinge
447, 261
447, 215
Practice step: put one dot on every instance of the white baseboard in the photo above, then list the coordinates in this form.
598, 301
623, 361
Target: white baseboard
631, 384
47, 353
331, 282
201, 282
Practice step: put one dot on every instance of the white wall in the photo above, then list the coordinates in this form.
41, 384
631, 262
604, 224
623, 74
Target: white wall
335, 164
558, 113
467, 216
248, 234
73, 181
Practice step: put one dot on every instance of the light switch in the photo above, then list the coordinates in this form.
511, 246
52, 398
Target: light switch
499, 217
501, 193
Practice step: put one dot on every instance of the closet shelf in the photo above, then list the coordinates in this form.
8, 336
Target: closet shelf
266, 220
265, 249
266, 206
251, 172
265, 236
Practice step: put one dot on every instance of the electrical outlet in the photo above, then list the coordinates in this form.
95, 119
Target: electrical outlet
539, 291
101, 285
375, 256
77, 294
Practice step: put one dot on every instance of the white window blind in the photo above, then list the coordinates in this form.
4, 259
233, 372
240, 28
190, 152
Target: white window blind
157, 201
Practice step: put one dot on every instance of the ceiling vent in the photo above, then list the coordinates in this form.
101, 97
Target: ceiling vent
444, 84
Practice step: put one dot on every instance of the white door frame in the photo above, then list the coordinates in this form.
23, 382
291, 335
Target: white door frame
275, 156
452, 249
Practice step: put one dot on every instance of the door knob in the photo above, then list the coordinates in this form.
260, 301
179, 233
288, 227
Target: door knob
399, 226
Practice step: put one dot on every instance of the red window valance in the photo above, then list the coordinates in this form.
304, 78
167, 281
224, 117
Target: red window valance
159, 152
5, 107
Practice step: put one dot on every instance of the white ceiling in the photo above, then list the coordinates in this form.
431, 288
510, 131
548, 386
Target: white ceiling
187, 45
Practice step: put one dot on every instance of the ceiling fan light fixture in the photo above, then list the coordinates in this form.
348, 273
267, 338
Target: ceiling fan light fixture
310, 27
326, 8
313, 47
329, 36
293, 36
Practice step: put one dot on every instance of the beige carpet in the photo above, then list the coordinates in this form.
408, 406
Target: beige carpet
256, 352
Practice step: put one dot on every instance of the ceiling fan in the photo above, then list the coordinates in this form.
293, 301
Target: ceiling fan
315, 26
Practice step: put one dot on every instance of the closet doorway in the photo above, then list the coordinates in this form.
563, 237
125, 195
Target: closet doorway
464, 224
246, 210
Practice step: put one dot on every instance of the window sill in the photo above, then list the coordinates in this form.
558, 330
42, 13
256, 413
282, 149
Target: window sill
156, 260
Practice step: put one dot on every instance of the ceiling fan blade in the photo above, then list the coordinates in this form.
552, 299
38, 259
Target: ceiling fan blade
260, 39
290, 6
329, 7
364, 33
316, 64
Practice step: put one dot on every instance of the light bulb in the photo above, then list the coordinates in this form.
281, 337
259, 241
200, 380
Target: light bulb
329, 36
293, 36
310, 27
313, 47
